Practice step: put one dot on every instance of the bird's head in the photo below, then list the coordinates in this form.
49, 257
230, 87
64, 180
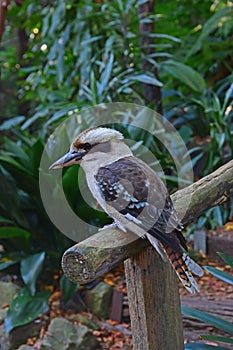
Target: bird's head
86, 142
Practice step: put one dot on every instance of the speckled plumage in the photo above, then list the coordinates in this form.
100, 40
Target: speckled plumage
126, 186
130, 191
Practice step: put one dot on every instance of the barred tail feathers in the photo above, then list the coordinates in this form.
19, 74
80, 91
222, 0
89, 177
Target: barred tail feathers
182, 264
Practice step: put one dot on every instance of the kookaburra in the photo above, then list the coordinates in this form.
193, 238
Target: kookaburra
131, 193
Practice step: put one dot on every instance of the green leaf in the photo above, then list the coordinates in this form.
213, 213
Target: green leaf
68, 288
217, 338
165, 36
209, 27
40, 114
25, 308
61, 113
228, 97
35, 154
14, 232
10, 123
200, 346
146, 79
208, 318
60, 65
10, 202
19, 235
5, 221
226, 277
91, 40
13, 162
105, 76
18, 152
185, 74
6, 264
30, 269
228, 259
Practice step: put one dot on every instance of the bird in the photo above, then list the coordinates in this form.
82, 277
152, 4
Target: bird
133, 195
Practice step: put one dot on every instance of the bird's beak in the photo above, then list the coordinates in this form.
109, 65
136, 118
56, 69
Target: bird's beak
67, 160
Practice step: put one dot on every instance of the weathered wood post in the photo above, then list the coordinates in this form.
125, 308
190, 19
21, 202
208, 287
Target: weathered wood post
154, 302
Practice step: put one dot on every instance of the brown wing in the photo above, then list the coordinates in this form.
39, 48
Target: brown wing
131, 187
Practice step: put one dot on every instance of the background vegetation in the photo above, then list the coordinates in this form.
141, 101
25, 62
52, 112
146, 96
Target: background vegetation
61, 56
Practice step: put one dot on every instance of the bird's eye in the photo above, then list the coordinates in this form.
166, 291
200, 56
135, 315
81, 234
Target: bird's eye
87, 146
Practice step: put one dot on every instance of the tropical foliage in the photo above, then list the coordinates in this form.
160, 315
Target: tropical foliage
62, 56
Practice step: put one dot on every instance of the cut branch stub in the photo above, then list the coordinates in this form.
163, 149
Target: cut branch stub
100, 253
90, 258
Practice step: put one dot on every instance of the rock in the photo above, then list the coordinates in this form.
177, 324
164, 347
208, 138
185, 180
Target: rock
75, 303
63, 335
8, 291
84, 320
19, 335
99, 300
26, 347
2, 315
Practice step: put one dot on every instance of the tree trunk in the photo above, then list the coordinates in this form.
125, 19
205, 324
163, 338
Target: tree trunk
151, 93
3, 11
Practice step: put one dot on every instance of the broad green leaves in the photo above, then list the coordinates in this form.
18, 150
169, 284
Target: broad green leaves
185, 74
25, 308
208, 318
210, 26
30, 269
19, 237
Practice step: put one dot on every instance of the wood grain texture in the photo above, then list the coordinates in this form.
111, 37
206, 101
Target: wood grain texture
154, 302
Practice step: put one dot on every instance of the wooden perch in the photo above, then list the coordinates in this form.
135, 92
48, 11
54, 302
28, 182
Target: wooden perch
89, 259
154, 302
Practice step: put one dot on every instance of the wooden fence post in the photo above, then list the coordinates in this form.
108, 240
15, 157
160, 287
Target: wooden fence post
154, 302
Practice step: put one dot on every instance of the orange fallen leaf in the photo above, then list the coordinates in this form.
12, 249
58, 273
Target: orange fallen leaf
228, 226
